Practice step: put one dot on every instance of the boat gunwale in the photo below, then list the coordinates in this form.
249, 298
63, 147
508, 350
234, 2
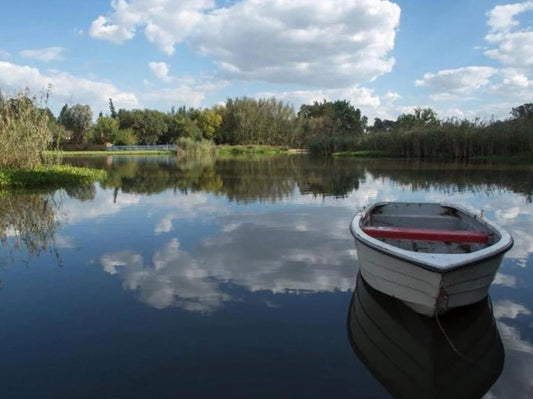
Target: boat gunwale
435, 262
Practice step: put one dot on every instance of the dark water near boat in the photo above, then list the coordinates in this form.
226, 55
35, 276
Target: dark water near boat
236, 278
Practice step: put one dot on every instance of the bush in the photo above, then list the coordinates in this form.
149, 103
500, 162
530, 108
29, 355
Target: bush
319, 146
24, 132
189, 147
125, 137
249, 150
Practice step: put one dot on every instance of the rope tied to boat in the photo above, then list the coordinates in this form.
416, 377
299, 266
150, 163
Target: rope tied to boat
454, 348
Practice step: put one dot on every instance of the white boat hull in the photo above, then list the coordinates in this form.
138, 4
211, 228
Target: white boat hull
426, 291
428, 281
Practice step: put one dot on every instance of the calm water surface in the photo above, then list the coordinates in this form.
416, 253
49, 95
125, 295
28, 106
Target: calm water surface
238, 278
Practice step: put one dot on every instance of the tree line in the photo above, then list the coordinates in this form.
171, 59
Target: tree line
322, 127
240, 121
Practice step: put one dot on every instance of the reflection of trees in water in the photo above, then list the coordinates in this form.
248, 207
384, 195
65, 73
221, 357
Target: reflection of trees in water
27, 224
83, 192
256, 179
456, 177
275, 178
330, 177
142, 176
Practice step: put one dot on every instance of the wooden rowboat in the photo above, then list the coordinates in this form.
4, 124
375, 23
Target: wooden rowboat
432, 256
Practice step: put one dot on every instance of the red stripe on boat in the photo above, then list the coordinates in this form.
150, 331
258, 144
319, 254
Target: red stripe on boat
408, 233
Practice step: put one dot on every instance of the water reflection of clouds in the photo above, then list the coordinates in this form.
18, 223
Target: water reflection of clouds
74, 211
307, 249
268, 252
273, 253
189, 207
509, 310
505, 280
172, 278
516, 380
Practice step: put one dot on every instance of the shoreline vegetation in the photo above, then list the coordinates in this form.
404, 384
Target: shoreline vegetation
104, 152
322, 128
522, 157
25, 134
53, 176
30, 134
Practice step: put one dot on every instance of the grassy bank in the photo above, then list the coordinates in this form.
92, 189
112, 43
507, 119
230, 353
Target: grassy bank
48, 177
191, 147
250, 150
106, 153
362, 154
524, 157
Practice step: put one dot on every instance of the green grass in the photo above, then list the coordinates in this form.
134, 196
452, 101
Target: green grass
105, 153
250, 150
48, 177
362, 154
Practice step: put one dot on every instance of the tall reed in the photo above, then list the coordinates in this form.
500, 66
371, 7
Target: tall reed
24, 132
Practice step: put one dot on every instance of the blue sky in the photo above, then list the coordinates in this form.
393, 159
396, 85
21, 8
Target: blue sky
469, 58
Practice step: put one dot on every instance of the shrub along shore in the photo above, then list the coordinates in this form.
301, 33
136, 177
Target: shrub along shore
25, 134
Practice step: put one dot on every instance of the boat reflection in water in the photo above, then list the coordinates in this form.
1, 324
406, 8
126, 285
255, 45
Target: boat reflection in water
409, 354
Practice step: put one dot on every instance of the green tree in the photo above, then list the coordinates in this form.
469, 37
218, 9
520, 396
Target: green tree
105, 130
125, 137
250, 121
112, 111
385, 125
149, 125
348, 119
524, 111
332, 119
420, 118
62, 113
208, 121
78, 120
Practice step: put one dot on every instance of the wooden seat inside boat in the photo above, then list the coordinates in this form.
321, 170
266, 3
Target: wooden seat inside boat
441, 235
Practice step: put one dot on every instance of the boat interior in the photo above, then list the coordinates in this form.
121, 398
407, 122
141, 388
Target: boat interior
429, 228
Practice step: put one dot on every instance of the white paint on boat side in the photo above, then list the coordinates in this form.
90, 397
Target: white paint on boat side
404, 293
430, 286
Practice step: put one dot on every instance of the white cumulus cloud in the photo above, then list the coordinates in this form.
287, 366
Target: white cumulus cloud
515, 43
165, 22
160, 70
502, 17
44, 54
321, 44
333, 43
358, 96
452, 83
64, 86
178, 95
183, 91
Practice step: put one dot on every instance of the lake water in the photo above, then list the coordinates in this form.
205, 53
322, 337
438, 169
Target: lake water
236, 278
